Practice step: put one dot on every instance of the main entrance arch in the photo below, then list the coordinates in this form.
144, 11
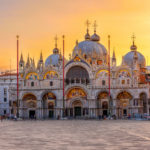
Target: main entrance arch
76, 102
77, 107
48, 105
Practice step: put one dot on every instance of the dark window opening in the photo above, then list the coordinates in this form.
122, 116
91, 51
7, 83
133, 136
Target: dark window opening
32, 84
103, 82
5, 99
51, 83
5, 112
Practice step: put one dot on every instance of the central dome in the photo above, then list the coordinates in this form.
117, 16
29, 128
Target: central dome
89, 48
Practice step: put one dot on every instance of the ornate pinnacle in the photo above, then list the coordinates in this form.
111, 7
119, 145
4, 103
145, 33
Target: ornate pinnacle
17, 36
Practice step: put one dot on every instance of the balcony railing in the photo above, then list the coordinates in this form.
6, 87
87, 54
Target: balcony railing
77, 81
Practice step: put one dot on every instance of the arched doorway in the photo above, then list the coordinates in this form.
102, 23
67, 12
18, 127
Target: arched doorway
123, 104
76, 98
29, 106
48, 103
105, 108
77, 74
143, 102
103, 104
77, 107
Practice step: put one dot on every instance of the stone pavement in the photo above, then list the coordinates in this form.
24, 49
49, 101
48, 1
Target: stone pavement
75, 135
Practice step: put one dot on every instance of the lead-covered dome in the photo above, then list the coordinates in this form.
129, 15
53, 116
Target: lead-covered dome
95, 37
52, 60
129, 59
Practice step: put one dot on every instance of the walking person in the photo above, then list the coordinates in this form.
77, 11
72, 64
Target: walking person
1, 117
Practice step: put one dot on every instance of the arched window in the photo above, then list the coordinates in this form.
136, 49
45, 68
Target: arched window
77, 74
32, 84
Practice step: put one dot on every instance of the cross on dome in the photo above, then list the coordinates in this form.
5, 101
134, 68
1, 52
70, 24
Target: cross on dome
87, 24
133, 46
56, 39
133, 38
95, 26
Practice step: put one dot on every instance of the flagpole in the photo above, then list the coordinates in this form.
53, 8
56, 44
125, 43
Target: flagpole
63, 76
17, 76
109, 66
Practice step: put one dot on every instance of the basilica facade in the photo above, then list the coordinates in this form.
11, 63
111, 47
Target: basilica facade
86, 80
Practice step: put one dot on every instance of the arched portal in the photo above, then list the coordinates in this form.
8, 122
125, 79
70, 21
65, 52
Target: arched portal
123, 104
143, 102
29, 106
76, 102
77, 74
103, 103
77, 107
48, 105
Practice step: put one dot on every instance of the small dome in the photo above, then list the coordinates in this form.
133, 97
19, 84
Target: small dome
87, 36
55, 50
52, 59
129, 59
95, 37
133, 47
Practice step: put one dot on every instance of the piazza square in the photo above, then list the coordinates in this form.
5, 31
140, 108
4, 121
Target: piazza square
75, 135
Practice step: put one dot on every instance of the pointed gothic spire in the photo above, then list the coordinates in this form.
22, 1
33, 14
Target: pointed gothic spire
41, 57
28, 61
21, 58
33, 62
114, 55
114, 58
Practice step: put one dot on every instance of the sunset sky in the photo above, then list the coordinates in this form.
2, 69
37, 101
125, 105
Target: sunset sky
38, 21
